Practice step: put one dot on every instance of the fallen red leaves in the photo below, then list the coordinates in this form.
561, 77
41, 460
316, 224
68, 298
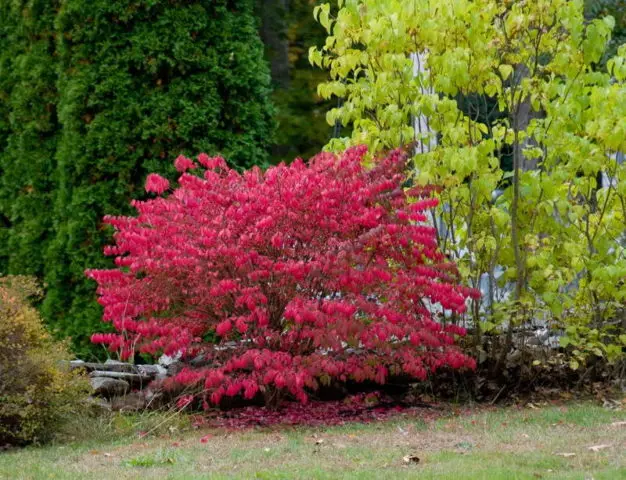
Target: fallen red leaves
358, 408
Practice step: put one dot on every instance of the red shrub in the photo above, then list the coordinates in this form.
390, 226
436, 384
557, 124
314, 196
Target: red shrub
310, 272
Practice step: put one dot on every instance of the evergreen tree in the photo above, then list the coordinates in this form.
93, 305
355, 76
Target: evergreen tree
5, 65
94, 95
28, 132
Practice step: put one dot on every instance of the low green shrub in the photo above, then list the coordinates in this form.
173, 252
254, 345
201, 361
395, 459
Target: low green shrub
36, 390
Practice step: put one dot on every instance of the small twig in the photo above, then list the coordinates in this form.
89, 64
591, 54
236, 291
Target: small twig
497, 395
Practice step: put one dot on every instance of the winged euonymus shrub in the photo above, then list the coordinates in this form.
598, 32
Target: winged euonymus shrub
311, 272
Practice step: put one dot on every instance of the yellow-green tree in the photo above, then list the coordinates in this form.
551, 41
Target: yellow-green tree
553, 228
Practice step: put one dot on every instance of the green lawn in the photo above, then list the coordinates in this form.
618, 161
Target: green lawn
513, 443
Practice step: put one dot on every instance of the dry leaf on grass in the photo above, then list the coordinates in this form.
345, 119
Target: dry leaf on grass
318, 444
408, 459
566, 454
402, 430
618, 424
597, 448
610, 404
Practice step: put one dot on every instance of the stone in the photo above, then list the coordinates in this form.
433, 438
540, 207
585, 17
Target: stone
113, 380
175, 368
167, 360
132, 402
131, 378
108, 367
98, 404
110, 361
514, 357
172, 363
200, 361
154, 371
109, 387
74, 364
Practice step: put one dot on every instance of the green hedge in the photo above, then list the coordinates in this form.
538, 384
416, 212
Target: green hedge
28, 133
132, 85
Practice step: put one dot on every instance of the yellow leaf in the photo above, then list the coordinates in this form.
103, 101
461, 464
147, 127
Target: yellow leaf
505, 71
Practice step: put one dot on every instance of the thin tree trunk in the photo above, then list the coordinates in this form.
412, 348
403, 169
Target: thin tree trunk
520, 117
273, 32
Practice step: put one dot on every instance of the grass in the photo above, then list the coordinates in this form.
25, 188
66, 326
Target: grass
512, 443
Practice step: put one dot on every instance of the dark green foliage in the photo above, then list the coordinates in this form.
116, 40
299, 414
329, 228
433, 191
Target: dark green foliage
301, 113
616, 9
134, 84
482, 108
28, 131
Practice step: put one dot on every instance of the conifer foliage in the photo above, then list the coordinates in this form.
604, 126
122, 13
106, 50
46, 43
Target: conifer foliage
94, 95
305, 274
28, 132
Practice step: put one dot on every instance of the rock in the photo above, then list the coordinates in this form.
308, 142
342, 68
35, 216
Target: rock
152, 395
229, 345
153, 371
200, 361
74, 364
166, 360
113, 380
514, 357
482, 356
175, 368
110, 361
173, 364
97, 403
116, 366
131, 402
109, 387
131, 378
107, 367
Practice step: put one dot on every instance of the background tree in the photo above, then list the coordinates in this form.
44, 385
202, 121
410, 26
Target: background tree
615, 9
288, 29
28, 133
274, 17
96, 94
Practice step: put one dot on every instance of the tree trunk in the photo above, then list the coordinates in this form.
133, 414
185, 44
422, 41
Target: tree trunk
273, 14
522, 119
